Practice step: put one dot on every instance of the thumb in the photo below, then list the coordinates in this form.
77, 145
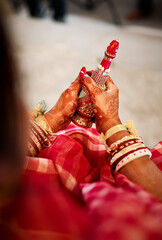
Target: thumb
110, 84
88, 81
76, 85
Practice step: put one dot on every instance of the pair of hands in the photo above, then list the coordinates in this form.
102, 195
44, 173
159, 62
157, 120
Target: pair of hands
105, 104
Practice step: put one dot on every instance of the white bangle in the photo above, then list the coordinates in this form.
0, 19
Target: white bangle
133, 156
135, 146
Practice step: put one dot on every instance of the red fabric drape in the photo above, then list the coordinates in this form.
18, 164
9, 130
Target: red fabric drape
68, 192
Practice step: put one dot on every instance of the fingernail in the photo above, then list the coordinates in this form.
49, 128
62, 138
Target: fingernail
82, 71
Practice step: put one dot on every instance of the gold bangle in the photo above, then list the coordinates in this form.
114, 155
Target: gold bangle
114, 130
42, 133
111, 132
129, 127
42, 123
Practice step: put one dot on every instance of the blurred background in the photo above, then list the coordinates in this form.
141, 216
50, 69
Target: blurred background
53, 39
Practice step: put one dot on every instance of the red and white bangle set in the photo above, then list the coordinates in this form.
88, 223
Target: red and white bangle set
126, 150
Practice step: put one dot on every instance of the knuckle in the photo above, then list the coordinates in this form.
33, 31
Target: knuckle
88, 80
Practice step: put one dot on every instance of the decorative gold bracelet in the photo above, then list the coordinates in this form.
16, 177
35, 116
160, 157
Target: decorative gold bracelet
128, 127
114, 130
42, 123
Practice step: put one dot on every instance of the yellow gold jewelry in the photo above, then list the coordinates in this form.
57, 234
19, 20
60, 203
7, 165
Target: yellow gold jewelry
114, 130
43, 134
42, 123
39, 110
131, 128
36, 141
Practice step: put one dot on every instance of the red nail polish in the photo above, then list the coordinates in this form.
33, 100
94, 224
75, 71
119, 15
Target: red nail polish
82, 71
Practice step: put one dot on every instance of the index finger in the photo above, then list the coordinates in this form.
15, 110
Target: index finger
76, 85
90, 84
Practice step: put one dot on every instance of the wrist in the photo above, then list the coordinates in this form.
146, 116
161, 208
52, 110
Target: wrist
49, 116
116, 136
109, 124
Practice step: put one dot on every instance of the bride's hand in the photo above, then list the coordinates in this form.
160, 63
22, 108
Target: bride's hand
105, 103
59, 117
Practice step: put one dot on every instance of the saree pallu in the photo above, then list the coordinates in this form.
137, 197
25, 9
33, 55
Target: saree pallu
69, 192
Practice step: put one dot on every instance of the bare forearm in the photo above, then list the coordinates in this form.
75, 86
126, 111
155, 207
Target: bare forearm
145, 173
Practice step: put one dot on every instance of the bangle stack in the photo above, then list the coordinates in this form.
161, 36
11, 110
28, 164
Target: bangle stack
44, 125
38, 139
126, 149
40, 135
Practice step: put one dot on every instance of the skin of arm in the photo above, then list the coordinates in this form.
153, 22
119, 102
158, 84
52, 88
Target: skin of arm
141, 171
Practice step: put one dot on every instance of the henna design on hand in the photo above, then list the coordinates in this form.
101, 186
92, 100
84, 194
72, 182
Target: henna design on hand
105, 103
60, 115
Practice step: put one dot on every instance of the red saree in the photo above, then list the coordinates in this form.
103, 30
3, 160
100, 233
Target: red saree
68, 192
